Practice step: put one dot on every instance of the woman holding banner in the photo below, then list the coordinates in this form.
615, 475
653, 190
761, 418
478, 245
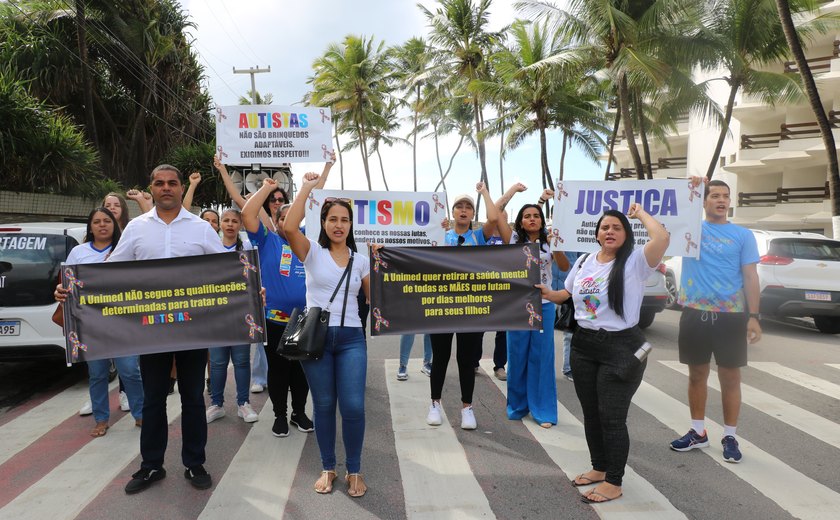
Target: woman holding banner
607, 362
339, 377
531, 382
101, 237
469, 343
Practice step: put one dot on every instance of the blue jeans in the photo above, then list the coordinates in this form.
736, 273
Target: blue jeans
407, 341
259, 368
129, 370
567, 349
339, 378
219, 357
531, 382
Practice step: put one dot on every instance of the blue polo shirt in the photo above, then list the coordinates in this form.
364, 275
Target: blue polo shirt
283, 275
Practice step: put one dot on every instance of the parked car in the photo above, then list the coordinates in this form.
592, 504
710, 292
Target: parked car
799, 275
30, 260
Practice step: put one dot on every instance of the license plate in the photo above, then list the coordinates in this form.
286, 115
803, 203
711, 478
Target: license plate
819, 296
9, 328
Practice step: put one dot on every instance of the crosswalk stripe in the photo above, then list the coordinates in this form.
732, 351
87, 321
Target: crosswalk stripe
801, 496
565, 444
67, 489
798, 378
29, 427
432, 461
834, 365
259, 479
792, 415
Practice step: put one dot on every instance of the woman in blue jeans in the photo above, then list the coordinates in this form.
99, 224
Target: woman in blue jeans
338, 378
240, 355
102, 236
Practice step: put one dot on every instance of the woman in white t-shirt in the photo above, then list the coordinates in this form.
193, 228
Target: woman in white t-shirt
338, 378
607, 288
101, 237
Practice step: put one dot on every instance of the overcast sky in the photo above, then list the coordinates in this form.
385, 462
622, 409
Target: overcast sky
289, 35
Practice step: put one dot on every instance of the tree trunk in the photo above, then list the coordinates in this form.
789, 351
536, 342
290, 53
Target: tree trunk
482, 153
449, 168
382, 169
612, 141
648, 172
363, 147
563, 156
724, 129
502, 161
414, 146
340, 161
816, 105
546, 173
90, 121
624, 100
437, 157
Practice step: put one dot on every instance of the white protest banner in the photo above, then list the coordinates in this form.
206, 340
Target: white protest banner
272, 135
390, 218
674, 202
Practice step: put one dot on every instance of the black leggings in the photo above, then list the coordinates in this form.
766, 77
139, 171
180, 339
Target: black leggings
607, 374
283, 375
468, 344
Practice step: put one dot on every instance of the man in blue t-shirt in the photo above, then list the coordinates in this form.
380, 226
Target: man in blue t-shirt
720, 294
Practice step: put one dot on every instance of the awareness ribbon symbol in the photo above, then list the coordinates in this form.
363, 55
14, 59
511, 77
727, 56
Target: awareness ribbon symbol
221, 152
72, 281
249, 319
692, 192
246, 265
532, 314
438, 204
555, 236
688, 243
377, 261
312, 200
324, 116
379, 319
324, 152
434, 243
77, 345
561, 192
529, 257
220, 115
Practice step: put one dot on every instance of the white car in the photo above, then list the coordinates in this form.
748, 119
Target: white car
799, 275
30, 260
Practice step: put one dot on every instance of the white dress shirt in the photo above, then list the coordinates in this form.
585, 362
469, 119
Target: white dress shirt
148, 237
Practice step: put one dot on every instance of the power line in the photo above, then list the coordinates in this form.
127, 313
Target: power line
244, 40
222, 25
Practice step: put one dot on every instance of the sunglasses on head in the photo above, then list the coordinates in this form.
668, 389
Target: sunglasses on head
336, 199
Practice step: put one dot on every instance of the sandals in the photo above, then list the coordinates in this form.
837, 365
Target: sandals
587, 499
356, 486
100, 429
324, 484
579, 481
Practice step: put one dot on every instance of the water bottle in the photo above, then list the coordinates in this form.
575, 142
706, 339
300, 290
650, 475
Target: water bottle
643, 351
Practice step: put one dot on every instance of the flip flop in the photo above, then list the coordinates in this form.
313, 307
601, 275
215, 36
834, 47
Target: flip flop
99, 430
354, 491
586, 500
328, 475
588, 483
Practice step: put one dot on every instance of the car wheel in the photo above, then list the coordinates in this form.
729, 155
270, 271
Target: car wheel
673, 294
646, 319
112, 371
827, 324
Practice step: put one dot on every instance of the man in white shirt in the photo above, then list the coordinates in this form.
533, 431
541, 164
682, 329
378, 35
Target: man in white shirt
168, 231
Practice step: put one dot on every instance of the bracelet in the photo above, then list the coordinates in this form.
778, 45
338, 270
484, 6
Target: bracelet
543, 201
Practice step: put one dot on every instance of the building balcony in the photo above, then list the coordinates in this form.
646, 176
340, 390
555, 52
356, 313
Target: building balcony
818, 64
784, 195
664, 167
787, 132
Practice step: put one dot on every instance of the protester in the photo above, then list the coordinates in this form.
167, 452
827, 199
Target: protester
531, 382
406, 342
608, 287
269, 212
463, 211
720, 296
212, 217
500, 358
558, 281
102, 235
339, 377
240, 355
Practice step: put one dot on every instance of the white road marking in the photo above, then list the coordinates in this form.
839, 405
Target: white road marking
798, 378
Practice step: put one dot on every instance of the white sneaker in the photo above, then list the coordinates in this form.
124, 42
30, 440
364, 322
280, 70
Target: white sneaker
257, 388
434, 419
247, 413
124, 406
214, 412
86, 408
468, 418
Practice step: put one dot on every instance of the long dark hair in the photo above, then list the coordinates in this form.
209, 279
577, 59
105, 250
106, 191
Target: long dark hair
105, 211
615, 286
123, 220
267, 201
323, 239
239, 244
522, 235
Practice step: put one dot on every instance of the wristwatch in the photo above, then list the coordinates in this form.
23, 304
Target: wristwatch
755, 315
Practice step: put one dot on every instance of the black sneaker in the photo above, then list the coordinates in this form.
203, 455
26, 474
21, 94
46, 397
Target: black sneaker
302, 422
280, 428
198, 477
143, 479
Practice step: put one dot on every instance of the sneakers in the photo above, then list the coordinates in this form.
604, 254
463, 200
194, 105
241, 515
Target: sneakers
692, 440
280, 428
569, 377
86, 408
214, 412
426, 369
124, 406
144, 478
256, 388
468, 419
434, 418
198, 477
500, 373
476, 369
246, 412
302, 422
731, 453
402, 373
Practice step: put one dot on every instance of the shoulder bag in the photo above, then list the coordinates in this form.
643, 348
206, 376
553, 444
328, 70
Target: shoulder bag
306, 331
566, 310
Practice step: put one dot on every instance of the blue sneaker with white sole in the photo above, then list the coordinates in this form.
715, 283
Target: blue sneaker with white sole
690, 440
731, 452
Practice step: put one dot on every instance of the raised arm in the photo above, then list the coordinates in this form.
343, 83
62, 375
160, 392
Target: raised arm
291, 226
237, 197
195, 178
492, 213
142, 198
659, 236
253, 206
501, 203
322, 181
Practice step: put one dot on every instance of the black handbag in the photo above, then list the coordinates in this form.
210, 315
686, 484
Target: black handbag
565, 319
306, 331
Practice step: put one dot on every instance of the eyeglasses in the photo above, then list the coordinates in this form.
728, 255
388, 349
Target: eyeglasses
461, 240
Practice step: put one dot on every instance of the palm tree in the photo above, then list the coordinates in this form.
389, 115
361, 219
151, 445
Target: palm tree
814, 100
256, 98
411, 60
354, 78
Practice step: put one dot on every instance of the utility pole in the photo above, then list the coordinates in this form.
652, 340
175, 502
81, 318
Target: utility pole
252, 71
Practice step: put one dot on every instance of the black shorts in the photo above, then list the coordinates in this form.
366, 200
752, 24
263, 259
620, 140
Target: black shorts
705, 332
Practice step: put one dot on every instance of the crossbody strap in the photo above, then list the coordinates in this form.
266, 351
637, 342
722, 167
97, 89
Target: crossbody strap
346, 288
338, 285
